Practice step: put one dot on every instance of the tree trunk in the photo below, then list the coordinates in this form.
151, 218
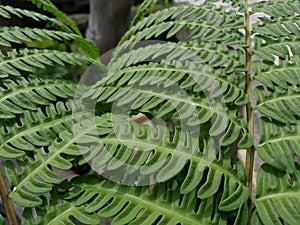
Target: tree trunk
109, 20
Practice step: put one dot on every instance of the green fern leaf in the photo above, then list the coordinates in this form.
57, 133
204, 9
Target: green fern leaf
224, 61
276, 38
202, 24
26, 35
135, 205
193, 111
36, 129
21, 94
276, 143
279, 105
36, 174
138, 149
50, 7
283, 75
277, 198
8, 11
278, 27
27, 60
59, 212
139, 92
280, 8
143, 10
268, 48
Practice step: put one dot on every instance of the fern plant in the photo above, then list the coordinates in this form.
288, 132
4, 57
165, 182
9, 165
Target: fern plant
199, 97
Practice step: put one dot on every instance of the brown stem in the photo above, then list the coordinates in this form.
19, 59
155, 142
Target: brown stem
249, 108
10, 213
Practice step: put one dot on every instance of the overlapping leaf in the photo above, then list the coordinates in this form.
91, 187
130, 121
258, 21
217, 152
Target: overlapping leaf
223, 61
28, 60
135, 91
34, 175
20, 35
8, 11
35, 129
59, 212
281, 105
200, 20
48, 6
21, 94
143, 10
277, 196
277, 36
137, 152
136, 205
276, 142
283, 75
280, 8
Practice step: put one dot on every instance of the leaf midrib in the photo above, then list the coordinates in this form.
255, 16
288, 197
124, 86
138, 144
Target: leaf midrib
152, 68
42, 125
287, 138
279, 195
36, 54
45, 163
286, 42
194, 104
62, 214
22, 31
282, 98
155, 207
27, 89
171, 151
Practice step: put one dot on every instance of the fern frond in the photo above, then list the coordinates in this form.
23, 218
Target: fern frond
227, 61
48, 6
136, 205
276, 142
278, 27
275, 38
19, 35
59, 212
143, 10
36, 129
191, 75
8, 11
282, 105
136, 149
21, 94
278, 193
280, 8
283, 75
202, 25
36, 174
268, 48
194, 110
28, 60
145, 94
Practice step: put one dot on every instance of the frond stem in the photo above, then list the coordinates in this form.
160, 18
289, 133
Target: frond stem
249, 108
10, 212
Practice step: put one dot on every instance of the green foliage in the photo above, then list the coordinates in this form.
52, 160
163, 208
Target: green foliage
182, 167
277, 196
1, 219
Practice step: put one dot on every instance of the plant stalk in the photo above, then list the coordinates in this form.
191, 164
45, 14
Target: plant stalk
249, 108
10, 212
